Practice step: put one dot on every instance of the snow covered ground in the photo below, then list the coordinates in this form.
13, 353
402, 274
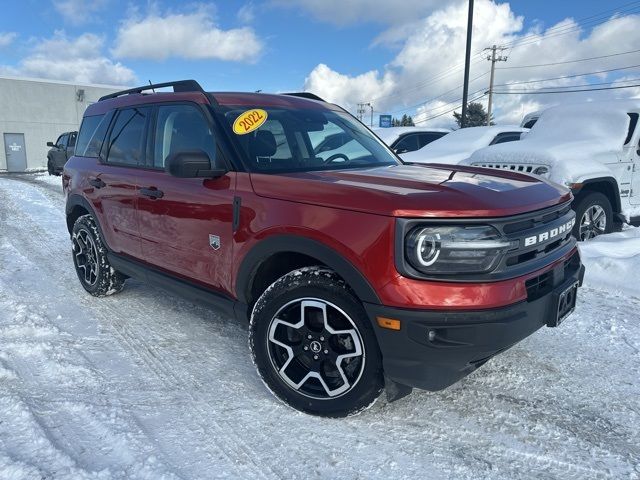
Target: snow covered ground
143, 385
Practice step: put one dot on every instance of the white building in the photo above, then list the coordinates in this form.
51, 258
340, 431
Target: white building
36, 111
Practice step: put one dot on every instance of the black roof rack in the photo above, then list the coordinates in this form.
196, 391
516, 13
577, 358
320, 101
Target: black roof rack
309, 95
178, 86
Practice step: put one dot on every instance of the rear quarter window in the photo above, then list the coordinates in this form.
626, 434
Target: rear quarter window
91, 135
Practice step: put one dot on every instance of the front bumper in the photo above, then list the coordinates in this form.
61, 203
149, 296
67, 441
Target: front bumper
434, 349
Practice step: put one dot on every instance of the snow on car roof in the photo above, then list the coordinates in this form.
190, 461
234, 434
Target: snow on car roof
567, 138
463, 141
390, 134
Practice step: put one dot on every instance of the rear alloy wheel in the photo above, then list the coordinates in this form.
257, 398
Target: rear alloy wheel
594, 216
313, 345
90, 259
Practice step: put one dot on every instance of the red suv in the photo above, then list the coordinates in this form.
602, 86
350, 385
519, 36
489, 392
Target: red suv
357, 272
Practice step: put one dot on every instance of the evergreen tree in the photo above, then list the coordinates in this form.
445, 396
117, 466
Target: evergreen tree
405, 121
476, 116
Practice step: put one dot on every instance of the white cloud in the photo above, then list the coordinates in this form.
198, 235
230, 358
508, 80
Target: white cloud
77, 59
7, 38
246, 13
341, 12
78, 12
431, 53
192, 36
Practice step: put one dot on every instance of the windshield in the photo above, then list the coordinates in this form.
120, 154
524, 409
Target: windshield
300, 140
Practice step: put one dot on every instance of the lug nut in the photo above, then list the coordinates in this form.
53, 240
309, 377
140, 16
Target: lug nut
306, 348
322, 339
309, 337
315, 357
326, 351
432, 335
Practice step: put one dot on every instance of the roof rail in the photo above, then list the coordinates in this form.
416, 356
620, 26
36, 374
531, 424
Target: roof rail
178, 86
308, 95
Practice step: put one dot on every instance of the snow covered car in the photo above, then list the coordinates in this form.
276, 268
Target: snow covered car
409, 139
460, 144
594, 149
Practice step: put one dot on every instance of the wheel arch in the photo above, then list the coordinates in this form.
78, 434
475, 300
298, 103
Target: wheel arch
608, 186
77, 206
275, 256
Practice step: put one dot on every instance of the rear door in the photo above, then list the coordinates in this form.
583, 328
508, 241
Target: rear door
59, 151
186, 223
114, 180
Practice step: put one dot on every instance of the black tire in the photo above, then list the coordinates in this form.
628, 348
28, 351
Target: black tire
342, 313
50, 167
90, 260
592, 206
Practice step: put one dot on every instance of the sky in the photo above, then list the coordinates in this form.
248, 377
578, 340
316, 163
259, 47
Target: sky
402, 57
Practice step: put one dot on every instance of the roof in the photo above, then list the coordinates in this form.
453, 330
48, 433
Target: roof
62, 82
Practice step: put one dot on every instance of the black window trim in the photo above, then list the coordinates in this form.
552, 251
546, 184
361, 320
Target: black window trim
151, 134
502, 135
107, 139
633, 126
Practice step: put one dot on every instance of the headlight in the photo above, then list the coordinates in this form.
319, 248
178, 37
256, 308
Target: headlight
451, 250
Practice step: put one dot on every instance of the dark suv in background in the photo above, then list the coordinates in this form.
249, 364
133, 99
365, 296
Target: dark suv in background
61, 151
357, 272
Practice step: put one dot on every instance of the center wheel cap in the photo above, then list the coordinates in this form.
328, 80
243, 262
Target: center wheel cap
315, 346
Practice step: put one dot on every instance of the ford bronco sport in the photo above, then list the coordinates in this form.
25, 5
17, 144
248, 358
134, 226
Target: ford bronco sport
356, 273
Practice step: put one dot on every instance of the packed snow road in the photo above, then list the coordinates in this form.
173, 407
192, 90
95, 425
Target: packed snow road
146, 385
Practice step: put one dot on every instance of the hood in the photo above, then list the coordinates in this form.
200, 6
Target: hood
436, 191
435, 156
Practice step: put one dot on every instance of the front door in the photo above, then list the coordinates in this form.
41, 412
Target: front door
15, 152
186, 223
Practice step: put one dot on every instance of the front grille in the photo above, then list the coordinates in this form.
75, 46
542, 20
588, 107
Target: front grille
537, 235
523, 168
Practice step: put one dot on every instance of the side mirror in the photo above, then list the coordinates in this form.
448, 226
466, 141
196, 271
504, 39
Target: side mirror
50, 144
192, 164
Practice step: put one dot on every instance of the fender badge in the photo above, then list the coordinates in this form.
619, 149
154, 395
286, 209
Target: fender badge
214, 241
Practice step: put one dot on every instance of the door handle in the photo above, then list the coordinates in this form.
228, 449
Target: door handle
97, 182
152, 192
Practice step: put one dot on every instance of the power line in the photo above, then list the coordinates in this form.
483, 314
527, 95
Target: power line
568, 76
448, 111
570, 61
559, 30
583, 85
538, 92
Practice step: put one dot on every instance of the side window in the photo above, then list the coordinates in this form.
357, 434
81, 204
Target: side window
506, 137
126, 141
72, 139
633, 122
408, 143
181, 128
91, 135
62, 140
427, 138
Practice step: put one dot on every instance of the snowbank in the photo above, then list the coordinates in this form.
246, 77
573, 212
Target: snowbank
613, 261
573, 140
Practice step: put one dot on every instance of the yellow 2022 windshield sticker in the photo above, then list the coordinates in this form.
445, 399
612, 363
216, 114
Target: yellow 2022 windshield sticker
249, 121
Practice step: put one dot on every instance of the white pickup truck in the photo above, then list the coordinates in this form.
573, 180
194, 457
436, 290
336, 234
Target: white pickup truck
592, 148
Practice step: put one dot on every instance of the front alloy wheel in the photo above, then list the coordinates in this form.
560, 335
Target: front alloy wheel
86, 256
316, 348
313, 344
593, 222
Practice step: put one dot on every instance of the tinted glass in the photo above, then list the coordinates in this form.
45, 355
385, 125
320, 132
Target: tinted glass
62, 141
506, 137
427, 138
89, 133
633, 122
126, 142
72, 139
181, 128
408, 143
290, 141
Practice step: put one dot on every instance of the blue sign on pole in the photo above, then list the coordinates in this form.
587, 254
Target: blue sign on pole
385, 121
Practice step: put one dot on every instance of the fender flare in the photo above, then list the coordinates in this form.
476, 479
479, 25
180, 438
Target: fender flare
306, 246
616, 203
76, 200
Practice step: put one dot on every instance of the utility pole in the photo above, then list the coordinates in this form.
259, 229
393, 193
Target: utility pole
362, 110
467, 62
493, 59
